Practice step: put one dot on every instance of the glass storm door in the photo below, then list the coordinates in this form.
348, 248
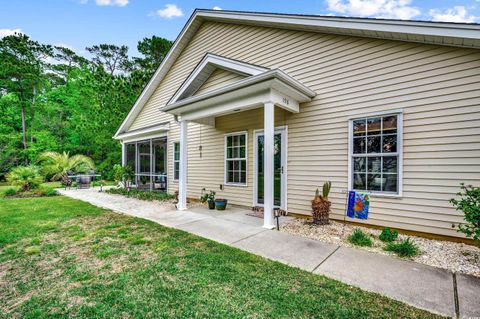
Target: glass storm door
279, 168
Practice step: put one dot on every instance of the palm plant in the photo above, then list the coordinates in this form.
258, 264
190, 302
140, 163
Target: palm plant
27, 177
58, 165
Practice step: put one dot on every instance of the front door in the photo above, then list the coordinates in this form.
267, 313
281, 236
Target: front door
279, 189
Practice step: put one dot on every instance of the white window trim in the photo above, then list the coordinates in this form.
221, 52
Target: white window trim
399, 114
173, 161
245, 133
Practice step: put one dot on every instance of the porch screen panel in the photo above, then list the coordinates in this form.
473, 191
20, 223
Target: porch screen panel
144, 157
130, 157
160, 157
159, 164
236, 159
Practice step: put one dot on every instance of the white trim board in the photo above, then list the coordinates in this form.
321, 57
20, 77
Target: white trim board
439, 33
275, 86
244, 133
399, 152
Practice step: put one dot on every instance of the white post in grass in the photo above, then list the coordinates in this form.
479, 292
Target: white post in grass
182, 179
268, 154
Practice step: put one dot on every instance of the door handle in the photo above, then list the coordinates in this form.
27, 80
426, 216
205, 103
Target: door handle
282, 169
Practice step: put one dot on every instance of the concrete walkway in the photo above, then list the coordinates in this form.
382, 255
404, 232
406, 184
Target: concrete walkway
422, 286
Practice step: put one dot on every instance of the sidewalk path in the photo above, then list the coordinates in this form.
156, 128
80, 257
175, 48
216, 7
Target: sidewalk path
422, 286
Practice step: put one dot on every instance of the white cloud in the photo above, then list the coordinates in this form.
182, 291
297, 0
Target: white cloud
170, 11
7, 32
455, 14
118, 3
389, 9
217, 8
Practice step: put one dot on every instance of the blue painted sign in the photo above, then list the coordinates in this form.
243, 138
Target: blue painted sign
358, 204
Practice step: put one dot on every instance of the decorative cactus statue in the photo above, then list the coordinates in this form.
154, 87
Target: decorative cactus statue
321, 205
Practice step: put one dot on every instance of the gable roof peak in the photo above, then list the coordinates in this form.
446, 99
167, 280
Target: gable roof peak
205, 68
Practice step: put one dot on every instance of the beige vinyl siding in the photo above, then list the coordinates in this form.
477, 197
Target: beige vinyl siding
437, 87
217, 79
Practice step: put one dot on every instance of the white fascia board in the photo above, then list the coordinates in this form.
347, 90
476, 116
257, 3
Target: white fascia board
141, 133
426, 28
259, 82
204, 69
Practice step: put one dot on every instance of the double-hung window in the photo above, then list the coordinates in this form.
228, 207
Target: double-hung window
176, 161
375, 154
236, 159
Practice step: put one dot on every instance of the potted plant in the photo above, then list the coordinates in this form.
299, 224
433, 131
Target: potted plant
221, 203
321, 205
209, 198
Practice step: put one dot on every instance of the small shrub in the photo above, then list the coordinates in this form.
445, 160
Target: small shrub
469, 204
387, 235
27, 177
44, 190
124, 174
11, 191
359, 238
143, 195
405, 248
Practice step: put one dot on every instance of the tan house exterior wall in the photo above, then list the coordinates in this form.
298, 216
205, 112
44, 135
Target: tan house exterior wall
437, 87
217, 79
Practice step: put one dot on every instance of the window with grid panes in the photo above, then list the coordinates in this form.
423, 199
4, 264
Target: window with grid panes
236, 159
375, 154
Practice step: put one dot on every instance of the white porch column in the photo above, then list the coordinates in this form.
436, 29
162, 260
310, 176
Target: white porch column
124, 156
182, 179
269, 129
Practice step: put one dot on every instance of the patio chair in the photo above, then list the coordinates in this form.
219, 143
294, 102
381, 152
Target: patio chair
83, 181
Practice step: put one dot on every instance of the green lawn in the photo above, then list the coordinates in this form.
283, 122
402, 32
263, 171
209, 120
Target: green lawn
64, 258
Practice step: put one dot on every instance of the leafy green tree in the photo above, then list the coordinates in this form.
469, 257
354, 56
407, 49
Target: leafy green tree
57, 165
22, 72
154, 51
66, 60
111, 57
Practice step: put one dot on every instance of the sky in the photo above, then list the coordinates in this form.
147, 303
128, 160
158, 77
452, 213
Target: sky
77, 24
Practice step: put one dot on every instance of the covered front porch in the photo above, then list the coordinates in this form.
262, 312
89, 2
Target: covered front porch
262, 89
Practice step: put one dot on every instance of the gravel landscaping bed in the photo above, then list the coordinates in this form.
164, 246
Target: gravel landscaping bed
456, 257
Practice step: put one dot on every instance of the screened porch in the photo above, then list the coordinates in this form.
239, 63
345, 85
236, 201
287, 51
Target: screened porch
148, 159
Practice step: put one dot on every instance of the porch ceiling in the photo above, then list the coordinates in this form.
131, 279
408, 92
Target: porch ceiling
273, 86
